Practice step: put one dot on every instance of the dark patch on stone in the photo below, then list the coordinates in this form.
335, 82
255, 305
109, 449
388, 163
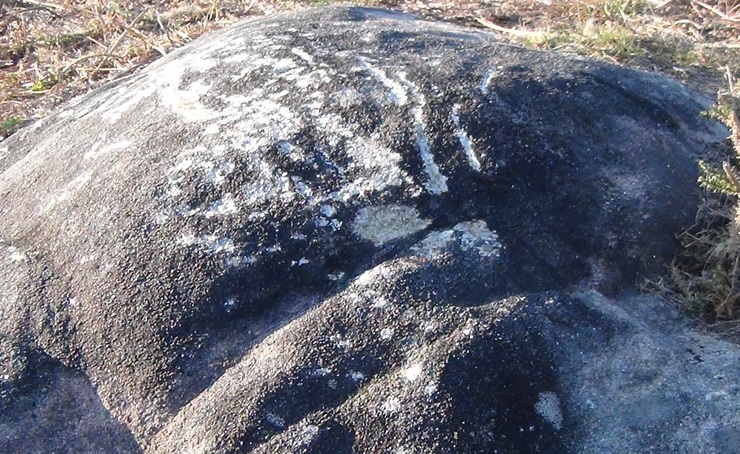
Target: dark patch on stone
59, 411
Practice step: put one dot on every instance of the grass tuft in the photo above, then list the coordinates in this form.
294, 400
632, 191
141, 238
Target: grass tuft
10, 125
704, 279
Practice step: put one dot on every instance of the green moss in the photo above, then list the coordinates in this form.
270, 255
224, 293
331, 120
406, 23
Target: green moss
44, 84
10, 124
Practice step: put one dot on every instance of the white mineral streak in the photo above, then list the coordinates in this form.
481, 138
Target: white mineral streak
239, 262
398, 94
412, 372
210, 243
548, 406
386, 223
126, 96
309, 434
475, 234
163, 81
486, 79
266, 118
355, 376
186, 102
379, 302
216, 172
15, 254
464, 139
70, 189
391, 405
379, 273
225, 206
176, 174
96, 150
268, 184
380, 168
434, 243
275, 420
303, 54
437, 183
386, 333
470, 235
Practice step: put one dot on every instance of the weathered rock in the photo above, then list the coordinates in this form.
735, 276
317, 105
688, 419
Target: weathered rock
346, 230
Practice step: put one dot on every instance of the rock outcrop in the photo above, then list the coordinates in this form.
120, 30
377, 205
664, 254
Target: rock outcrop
348, 230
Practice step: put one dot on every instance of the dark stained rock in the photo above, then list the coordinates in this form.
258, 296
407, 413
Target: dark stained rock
347, 230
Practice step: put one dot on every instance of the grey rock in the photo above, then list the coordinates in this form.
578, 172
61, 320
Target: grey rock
348, 230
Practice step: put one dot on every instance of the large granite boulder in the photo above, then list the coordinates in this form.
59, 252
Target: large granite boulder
347, 230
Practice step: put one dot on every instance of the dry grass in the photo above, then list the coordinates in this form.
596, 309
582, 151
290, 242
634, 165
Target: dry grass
704, 279
50, 51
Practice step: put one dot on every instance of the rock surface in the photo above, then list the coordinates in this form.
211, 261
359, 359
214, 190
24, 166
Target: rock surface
347, 230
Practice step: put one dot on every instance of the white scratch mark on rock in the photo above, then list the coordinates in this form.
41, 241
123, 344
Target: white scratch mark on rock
186, 103
282, 65
15, 254
391, 405
97, 151
548, 406
327, 210
412, 372
275, 420
356, 376
436, 183
379, 168
464, 139
321, 372
229, 304
186, 211
238, 262
430, 389
386, 333
210, 243
70, 189
387, 223
340, 341
398, 94
181, 167
268, 185
434, 243
222, 207
303, 54
429, 327
183, 102
716, 395
335, 276
471, 235
475, 234
379, 302
487, 78
161, 218
125, 97
309, 434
